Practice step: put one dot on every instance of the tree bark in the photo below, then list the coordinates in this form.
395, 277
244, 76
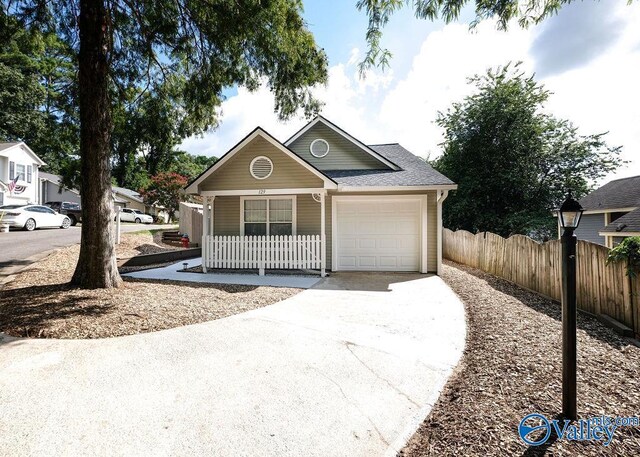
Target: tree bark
96, 266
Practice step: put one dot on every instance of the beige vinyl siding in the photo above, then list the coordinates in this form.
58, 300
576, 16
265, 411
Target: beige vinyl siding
226, 216
235, 174
308, 215
343, 154
227, 220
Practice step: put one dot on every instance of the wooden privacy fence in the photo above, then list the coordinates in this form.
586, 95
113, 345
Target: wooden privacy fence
279, 252
601, 288
191, 220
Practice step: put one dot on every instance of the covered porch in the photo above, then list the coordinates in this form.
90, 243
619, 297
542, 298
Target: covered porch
273, 229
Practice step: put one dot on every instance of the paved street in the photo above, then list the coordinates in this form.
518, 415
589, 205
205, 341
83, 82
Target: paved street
16, 246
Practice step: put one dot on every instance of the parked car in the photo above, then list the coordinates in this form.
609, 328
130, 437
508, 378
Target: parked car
135, 215
30, 217
72, 210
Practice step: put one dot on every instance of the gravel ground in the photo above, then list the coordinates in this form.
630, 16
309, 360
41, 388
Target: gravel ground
39, 303
512, 366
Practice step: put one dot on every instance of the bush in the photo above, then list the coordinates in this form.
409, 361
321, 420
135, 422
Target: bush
627, 251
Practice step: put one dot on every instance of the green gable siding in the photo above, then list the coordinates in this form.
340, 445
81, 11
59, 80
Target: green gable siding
235, 174
343, 154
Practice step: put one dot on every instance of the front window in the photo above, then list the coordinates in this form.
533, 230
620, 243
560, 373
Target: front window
20, 172
273, 216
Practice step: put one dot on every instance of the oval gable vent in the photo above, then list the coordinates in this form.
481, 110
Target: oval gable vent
261, 167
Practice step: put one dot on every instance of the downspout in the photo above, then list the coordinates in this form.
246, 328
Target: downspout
441, 197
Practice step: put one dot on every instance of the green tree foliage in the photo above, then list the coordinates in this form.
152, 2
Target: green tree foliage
37, 94
379, 12
513, 162
627, 251
165, 189
123, 45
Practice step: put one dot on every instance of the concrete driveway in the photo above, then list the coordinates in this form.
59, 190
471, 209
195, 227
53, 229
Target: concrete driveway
348, 368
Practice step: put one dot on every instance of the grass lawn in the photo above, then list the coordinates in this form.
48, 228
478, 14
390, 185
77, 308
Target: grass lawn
39, 302
512, 367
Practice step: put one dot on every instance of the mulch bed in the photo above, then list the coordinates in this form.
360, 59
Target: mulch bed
512, 366
39, 302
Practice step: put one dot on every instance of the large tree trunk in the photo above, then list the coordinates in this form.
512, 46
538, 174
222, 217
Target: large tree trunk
97, 263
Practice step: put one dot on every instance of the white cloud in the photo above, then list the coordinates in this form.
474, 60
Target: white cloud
600, 96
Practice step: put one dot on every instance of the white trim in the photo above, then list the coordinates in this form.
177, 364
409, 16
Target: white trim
254, 161
261, 192
334, 222
441, 198
323, 234
343, 188
294, 212
619, 234
193, 187
316, 141
612, 210
28, 150
341, 132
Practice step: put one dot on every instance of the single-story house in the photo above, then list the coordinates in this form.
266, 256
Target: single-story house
611, 212
51, 189
19, 174
322, 200
134, 200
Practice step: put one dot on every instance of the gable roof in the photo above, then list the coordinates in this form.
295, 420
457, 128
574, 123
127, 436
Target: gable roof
619, 193
332, 126
27, 149
630, 222
414, 171
133, 195
57, 180
192, 187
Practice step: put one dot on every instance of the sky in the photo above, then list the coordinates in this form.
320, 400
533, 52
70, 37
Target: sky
588, 56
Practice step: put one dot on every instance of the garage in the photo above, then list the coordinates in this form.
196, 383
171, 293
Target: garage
377, 234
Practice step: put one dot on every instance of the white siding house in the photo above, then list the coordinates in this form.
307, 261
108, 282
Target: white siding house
17, 160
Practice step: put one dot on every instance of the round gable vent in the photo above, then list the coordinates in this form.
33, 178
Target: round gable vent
261, 167
319, 148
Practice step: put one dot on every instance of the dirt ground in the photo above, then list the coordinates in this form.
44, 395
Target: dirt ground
512, 367
39, 302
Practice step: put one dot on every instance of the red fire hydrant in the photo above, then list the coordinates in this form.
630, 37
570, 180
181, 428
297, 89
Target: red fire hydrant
185, 241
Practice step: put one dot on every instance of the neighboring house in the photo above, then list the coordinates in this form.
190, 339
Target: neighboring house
135, 201
340, 204
17, 160
611, 212
52, 190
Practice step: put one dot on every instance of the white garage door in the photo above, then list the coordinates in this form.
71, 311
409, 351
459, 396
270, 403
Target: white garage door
378, 235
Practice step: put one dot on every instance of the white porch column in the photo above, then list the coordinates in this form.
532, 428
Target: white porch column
205, 232
211, 213
441, 195
323, 235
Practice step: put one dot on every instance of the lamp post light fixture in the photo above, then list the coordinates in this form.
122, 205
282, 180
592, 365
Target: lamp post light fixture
569, 215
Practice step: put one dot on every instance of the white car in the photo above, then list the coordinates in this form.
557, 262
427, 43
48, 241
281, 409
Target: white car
31, 217
135, 215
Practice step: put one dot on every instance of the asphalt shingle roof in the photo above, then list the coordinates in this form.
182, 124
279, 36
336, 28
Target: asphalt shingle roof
128, 193
630, 222
414, 171
4, 146
620, 193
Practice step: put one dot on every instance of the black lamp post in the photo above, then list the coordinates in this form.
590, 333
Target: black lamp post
569, 214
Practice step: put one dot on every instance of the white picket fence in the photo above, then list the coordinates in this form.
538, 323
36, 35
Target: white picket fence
273, 252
